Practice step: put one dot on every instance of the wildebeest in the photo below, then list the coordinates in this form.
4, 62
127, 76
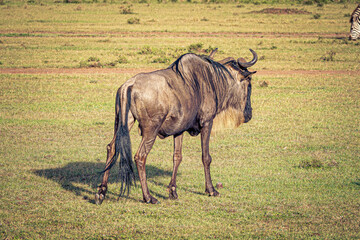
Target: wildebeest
185, 97
355, 24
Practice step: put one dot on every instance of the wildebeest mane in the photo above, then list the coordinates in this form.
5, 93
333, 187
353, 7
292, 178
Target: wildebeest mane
194, 70
179, 66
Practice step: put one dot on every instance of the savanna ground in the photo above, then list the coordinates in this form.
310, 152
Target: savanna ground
292, 172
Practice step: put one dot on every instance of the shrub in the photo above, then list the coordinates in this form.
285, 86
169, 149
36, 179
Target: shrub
111, 64
133, 21
122, 59
319, 3
161, 60
126, 9
329, 57
263, 84
93, 59
196, 47
316, 16
308, 2
314, 163
147, 50
71, 1
209, 49
91, 62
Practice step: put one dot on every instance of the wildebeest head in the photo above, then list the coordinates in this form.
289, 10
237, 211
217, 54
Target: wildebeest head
238, 109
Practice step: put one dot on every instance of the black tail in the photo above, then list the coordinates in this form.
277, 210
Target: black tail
123, 143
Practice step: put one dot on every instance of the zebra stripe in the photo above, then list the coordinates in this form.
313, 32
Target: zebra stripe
355, 24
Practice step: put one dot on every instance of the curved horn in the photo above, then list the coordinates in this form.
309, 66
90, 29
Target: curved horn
248, 64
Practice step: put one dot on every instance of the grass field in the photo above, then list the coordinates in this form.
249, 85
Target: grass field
292, 172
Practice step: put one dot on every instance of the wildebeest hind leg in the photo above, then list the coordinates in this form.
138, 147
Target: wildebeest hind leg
140, 159
102, 189
177, 160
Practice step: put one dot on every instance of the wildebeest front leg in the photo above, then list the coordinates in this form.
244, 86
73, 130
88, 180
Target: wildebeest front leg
206, 158
177, 160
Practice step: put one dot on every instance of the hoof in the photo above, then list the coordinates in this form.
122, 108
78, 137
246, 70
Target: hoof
151, 200
100, 195
172, 193
99, 198
212, 193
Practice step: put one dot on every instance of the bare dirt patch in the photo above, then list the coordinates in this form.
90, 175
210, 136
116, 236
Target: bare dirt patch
159, 34
279, 11
134, 71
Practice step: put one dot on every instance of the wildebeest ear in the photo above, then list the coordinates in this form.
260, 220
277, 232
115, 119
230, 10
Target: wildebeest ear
252, 73
247, 74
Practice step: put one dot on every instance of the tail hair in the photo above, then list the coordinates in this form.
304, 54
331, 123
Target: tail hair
123, 144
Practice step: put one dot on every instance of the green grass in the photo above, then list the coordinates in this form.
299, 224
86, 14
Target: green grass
292, 172
59, 36
108, 18
275, 54
54, 132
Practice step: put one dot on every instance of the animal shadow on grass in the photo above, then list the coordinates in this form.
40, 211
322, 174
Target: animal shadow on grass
357, 182
74, 177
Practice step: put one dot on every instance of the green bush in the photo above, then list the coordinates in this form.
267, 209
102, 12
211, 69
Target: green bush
314, 163
329, 57
163, 59
72, 1
316, 16
196, 47
91, 62
147, 50
126, 9
133, 21
122, 59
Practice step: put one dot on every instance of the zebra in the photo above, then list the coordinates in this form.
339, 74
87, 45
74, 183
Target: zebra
355, 24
